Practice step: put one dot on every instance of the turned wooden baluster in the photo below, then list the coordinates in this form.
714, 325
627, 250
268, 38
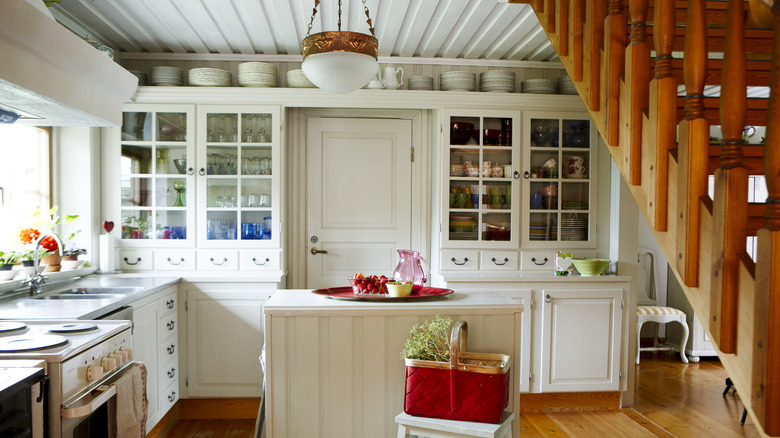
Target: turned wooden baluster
765, 392
563, 28
549, 10
595, 13
663, 110
731, 186
614, 55
637, 79
577, 39
694, 134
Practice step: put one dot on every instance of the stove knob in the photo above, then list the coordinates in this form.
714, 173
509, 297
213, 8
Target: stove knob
108, 364
129, 352
117, 357
123, 354
94, 372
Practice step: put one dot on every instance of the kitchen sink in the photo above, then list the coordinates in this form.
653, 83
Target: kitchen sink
93, 296
87, 291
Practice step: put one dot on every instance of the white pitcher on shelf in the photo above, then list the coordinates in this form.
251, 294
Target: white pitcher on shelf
391, 77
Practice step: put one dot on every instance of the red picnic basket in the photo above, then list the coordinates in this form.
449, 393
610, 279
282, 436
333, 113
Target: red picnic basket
470, 387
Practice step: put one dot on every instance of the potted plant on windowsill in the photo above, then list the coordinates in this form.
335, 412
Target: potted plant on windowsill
8, 260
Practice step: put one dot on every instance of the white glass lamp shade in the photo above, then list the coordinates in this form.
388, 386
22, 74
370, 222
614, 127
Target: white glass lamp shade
340, 72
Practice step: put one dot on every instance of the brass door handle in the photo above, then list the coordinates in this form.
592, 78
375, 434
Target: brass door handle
315, 251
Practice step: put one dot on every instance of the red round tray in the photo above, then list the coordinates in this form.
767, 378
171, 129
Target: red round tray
346, 293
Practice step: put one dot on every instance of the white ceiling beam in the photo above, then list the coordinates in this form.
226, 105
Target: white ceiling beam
284, 25
178, 35
447, 13
389, 21
230, 26
523, 23
200, 19
500, 19
470, 22
417, 19
257, 26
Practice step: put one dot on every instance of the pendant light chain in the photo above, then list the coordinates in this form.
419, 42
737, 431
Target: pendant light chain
365, 9
339, 15
370, 25
313, 13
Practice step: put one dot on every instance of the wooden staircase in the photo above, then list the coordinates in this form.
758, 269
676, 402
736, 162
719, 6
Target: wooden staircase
661, 143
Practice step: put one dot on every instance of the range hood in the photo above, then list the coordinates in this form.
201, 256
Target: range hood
51, 77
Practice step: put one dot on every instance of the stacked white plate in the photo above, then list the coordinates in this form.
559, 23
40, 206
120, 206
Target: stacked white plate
574, 229
210, 77
566, 86
296, 79
166, 76
539, 86
140, 75
257, 74
420, 83
497, 81
458, 81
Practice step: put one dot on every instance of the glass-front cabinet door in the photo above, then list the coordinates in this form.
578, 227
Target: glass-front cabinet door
157, 174
238, 175
480, 183
560, 180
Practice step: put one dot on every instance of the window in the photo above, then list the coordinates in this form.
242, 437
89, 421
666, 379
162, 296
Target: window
24, 178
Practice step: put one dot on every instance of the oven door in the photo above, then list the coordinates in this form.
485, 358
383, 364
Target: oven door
93, 414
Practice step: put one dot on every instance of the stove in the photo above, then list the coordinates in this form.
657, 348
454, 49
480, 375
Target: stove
82, 359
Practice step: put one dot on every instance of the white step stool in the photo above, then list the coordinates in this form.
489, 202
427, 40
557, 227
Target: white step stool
660, 315
438, 428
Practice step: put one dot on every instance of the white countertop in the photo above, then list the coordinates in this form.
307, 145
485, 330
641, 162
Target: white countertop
301, 301
526, 276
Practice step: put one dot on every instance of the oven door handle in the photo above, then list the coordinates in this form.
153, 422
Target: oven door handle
106, 393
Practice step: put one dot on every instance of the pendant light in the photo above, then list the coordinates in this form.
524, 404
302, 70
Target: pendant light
340, 62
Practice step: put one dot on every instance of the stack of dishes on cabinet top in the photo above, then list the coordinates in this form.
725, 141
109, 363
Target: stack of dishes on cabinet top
420, 83
210, 77
539, 86
566, 86
574, 228
296, 79
497, 81
257, 74
166, 76
140, 75
458, 81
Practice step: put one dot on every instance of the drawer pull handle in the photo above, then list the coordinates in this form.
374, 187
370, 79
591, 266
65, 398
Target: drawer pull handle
176, 264
224, 259
171, 325
202, 171
254, 260
172, 373
190, 171
547, 298
137, 260
170, 303
526, 174
533, 259
171, 349
499, 264
465, 260
172, 396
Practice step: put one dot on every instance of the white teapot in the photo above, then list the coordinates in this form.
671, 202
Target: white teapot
391, 77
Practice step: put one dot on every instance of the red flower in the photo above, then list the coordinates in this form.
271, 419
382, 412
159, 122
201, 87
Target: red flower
49, 243
29, 235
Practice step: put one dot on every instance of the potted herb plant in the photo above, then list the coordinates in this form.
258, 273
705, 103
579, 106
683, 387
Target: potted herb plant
8, 260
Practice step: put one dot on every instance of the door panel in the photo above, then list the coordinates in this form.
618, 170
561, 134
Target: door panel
358, 197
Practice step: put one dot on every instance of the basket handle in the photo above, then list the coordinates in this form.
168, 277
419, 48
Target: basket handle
458, 340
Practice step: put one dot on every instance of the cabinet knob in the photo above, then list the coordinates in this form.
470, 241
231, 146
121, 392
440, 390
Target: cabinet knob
190, 171
171, 325
547, 298
171, 349
202, 171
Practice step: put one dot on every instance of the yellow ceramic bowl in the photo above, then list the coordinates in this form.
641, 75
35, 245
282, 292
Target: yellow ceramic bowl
590, 267
399, 290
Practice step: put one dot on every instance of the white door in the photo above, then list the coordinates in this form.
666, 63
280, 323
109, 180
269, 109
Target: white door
358, 197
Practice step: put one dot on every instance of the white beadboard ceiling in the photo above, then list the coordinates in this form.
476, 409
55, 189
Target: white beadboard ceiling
433, 31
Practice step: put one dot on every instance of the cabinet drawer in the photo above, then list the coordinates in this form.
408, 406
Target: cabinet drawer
537, 261
498, 260
169, 348
168, 374
136, 260
168, 397
459, 260
174, 259
217, 260
168, 304
169, 325
259, 260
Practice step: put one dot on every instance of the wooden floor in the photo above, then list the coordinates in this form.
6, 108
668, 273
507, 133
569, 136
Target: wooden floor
673, 400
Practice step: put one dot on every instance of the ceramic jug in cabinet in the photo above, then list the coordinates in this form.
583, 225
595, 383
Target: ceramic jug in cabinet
393, 77
410, 268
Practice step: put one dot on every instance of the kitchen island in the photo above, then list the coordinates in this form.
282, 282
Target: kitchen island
334, 368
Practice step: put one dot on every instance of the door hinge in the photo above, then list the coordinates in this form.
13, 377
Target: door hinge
532, 303
621, 304
412, 154
530, 377
186, 305
187, 382
620, 375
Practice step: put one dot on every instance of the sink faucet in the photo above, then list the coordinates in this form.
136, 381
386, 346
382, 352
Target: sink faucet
37, 280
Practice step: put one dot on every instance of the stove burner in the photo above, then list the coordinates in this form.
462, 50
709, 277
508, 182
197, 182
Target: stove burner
35, 342
11, 326
73, 327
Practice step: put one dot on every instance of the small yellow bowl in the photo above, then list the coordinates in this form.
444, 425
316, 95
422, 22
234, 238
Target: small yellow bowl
590, 267
399, 290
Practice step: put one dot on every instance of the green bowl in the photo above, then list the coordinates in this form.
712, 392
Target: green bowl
590, 267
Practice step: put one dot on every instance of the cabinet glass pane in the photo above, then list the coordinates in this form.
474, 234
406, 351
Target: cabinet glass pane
256, 225
463, 226
256, 128
136, 224
543, 226
221, 160
221, 225
256, 160
255, 193
496, 226
575, 195
576, 134
136, 159
576, 165
171, 160
543, 195
574, 226
497, 131
136, 126
545, 133
222, 128
171, 127
464, 131
171, 192
136, 191
171, 225
221, 193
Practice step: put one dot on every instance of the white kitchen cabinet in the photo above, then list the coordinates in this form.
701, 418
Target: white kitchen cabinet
225, 338
155, 327
580, 340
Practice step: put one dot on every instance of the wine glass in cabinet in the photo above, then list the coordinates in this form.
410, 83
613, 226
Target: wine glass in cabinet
559, 180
